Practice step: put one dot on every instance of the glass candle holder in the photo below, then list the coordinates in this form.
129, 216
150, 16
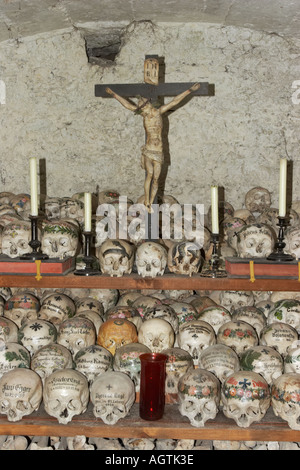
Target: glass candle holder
152, 385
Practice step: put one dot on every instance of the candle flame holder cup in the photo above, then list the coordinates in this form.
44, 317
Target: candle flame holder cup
278, 254
152, 385
214, 269
34, 243
90, 262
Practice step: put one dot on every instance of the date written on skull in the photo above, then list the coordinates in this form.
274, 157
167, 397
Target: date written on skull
162, 459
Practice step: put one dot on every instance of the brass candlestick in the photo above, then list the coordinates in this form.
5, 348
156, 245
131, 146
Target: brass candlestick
34, 243
278, 254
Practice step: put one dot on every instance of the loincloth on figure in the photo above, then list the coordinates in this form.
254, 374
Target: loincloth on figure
154, 155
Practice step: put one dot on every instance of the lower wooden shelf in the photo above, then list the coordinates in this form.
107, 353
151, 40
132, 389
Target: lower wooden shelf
172, 426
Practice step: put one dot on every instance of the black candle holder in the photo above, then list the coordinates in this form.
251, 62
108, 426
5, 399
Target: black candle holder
90, 261
34, 243
214, 270
278, 254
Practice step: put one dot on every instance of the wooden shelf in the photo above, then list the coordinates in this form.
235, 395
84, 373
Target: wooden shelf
134, 281
172, 426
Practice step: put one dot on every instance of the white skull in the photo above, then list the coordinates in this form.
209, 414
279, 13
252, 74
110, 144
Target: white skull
199, 396
215, 316
178, 363
15, 239
195, 336
238, 335
21, 393
60, 239
252, 315
264, 360
286, 311
151, 259
157, 334
279, 336
56, 308
116, 257
292, 241
257, 199
286, 399
184, 258
65, 394
76, 333
166, 312
50, 358
292, 358
220, 360
34, 334
112, 396
92, 361
245, 397
232, 300
127, 360
12, 356
8, 330
255, 241
21, 308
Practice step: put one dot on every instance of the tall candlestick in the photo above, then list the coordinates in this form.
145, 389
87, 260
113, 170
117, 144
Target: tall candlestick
87, 212
33, 186
282, 187
214, 210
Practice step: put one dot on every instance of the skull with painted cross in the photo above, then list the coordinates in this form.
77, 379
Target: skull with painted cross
34, 334
195, 336
166, 312
22, 307
65, 394
279, 336
199, 396
286, 311
112, 395
92, 361
56, 308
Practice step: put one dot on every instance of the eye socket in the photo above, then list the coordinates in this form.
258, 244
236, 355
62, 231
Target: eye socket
156, 263
73, 405
4, 405
47, 241
250, 242
141, 263
64, 241
22, 244
109, 260
22, 405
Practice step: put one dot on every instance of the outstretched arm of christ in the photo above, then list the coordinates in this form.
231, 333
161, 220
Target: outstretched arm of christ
123, 101
175, 101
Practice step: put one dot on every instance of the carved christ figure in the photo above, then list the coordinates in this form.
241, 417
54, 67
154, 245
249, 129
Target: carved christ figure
152, 152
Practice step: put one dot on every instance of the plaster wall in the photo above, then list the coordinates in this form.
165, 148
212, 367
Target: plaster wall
233, 139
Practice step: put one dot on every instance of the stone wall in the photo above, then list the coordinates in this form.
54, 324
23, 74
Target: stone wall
233, 139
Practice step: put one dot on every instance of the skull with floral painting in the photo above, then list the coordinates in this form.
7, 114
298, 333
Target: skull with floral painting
263, 360
22, 307
185, 311
215, 316
129, 313
238, 335
8, 330
21, 204
286, 311
13, 356
252, 315
286, 399
60, 238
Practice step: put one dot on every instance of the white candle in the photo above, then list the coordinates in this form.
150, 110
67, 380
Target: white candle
214, 210
87, 212
282, 187
33, 187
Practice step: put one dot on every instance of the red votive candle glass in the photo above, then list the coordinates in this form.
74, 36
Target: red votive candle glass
152, 385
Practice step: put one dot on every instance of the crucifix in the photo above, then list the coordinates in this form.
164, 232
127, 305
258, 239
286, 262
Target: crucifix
151, 111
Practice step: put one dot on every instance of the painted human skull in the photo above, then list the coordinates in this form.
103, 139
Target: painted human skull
292, 241
166, 312
157, 334
231, 226
238, 335
178, 363
49, 358
8, 330
116, 332
215, 316
184, 258
116, 257
35, 334
15, 239
151, 259
52, 207
232, 300
264, 360
72, 209
76, 333
292, 358
92, 361
194, 337
279, 336
21, 393
60, 239
257, 199
128, 313
245, 397
56, 308
286, 399
252, 315
21, 204
255, 241
144, 303
88, 303
185, 311
127, 360
93, 316
107, 297
286, 311
245, 215
21, 307
13, 356
199, 396
220, 360
65, 394
112, 395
